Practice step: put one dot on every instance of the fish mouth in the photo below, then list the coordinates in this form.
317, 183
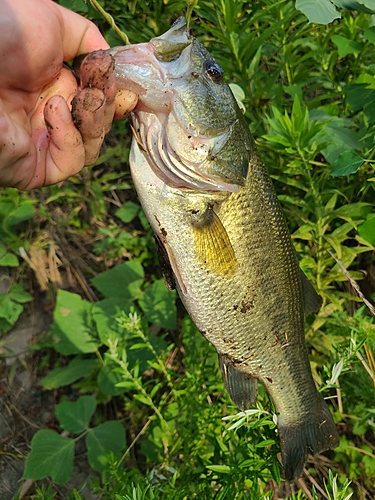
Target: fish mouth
180, 150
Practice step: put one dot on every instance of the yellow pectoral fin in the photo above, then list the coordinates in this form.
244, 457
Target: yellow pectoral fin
212, 244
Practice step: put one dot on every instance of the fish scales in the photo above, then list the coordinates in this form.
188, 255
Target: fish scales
221, 234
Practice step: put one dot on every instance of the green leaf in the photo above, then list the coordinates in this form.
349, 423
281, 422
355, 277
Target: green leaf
108, 378
367, 229
73, 325
318, 11
51, 455
105, 313
19, 294
9, 260
347, 163
369, 34
239, 95
223, 469
21, 213
360, 5
158, 304
103, 439
75, 416
9, 310
358, 96
122, 281
128, 211
338, 134
346, 46
76, 369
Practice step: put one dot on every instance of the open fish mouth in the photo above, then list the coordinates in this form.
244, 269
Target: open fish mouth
181, 149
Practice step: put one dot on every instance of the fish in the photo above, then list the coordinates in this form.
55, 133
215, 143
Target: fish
222, 238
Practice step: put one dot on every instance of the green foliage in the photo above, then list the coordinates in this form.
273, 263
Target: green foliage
308, 95
106, 438
11, 306
324, 11
52, 454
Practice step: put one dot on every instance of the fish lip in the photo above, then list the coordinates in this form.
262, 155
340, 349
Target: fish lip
169, 46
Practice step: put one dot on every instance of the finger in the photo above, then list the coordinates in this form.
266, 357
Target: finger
88, 111
97, 71
64, 155
80, 34
126, 101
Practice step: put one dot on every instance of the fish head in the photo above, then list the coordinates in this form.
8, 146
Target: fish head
187, 121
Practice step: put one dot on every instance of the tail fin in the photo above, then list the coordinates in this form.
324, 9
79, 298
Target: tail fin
316, 433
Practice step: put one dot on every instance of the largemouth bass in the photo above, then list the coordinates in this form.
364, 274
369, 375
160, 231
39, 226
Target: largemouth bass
222, 238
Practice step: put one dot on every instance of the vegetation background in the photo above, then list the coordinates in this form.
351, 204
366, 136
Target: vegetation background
134, 390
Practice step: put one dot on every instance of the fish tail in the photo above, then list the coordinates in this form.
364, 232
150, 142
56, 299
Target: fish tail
314, 434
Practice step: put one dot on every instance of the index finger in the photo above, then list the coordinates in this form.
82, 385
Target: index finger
80, 35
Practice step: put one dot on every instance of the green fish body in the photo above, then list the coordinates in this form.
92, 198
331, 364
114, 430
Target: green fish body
222, 238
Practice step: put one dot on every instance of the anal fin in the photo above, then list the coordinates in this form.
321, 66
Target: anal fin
242, 388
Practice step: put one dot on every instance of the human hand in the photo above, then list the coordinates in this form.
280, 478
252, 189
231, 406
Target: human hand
39, 142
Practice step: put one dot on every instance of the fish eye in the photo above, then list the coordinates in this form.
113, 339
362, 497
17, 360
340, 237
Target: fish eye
213, 71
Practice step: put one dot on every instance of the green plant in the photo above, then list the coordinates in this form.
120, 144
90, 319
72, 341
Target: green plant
308, 93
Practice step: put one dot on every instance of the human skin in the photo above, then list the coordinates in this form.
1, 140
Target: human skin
39, 141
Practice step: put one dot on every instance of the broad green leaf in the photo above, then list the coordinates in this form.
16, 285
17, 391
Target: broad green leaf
347, 163
122, 281
103, 439
360, 5
76, 369
337, 133
318, 11
108, 378
158, 304
73, 325
367, 230
75, 416
9, 260
51, 456
358, 96
128, 211
346, 46
105, 313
